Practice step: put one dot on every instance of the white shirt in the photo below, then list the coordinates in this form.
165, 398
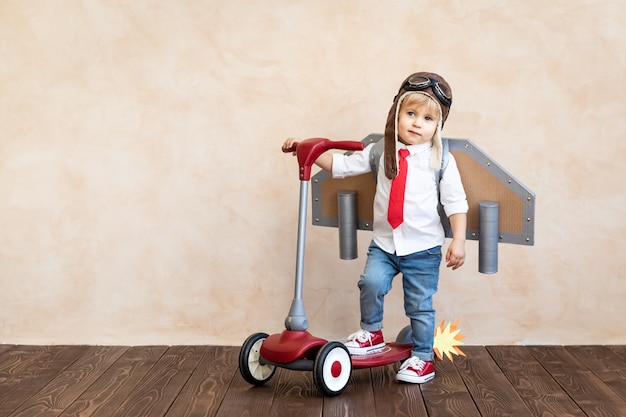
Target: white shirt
421, 228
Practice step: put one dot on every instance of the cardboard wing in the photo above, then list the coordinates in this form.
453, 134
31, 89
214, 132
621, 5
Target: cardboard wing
483, 178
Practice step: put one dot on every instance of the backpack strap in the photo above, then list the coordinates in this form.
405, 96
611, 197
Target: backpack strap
375, 154
445, 157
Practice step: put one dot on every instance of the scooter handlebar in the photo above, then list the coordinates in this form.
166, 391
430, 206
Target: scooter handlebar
309, 150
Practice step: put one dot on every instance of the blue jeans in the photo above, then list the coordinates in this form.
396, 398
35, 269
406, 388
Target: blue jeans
420, 278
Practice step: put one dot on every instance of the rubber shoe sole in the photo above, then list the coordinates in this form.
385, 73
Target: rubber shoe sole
368, 350
404, 376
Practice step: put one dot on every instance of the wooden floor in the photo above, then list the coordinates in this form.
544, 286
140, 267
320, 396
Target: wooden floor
178, 381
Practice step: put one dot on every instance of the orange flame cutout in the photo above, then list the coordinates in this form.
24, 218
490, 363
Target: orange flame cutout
447, 339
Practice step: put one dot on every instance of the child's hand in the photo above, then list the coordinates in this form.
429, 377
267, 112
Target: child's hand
290, 145
455, 257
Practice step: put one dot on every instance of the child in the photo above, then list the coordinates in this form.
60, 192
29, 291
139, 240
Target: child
408, 234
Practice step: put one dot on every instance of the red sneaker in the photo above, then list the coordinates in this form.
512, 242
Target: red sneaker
364, 342
416, 371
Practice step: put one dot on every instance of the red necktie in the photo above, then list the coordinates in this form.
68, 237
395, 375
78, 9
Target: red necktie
395, 213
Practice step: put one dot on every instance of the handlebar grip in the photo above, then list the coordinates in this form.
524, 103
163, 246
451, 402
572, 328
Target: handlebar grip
348, 145
309, 150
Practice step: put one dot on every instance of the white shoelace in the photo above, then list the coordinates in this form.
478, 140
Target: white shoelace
413, 362
361, 336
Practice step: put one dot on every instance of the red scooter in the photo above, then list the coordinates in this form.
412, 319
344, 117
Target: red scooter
295, 348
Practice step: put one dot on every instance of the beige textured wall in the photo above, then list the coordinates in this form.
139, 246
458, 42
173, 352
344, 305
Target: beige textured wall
143, 197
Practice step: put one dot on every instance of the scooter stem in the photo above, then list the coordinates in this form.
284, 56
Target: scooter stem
297, 320
307, 152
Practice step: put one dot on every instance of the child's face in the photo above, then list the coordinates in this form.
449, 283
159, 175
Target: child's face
417, 124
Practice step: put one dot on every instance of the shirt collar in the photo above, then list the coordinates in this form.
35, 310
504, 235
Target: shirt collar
413, 149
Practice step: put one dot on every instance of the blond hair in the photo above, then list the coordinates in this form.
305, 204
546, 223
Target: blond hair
418, 99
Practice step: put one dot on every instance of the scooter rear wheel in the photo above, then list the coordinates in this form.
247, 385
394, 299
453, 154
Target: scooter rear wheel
332, 369
250, 366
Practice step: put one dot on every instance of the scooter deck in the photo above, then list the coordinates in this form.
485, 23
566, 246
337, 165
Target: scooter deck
289, 346
392, 352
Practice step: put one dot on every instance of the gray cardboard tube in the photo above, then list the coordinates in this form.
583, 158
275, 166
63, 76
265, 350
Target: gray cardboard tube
346, 205
488, 237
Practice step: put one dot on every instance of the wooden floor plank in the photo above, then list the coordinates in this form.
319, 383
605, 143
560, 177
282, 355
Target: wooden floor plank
159, 388
204, 392
106, 395
297, 394
16, 359
42, 364
603, 362
243, 399
194, 381
63, 390
541, 393
583, 386
356, 400
618, 350
4, 348
491, 391
446, 394
393, 398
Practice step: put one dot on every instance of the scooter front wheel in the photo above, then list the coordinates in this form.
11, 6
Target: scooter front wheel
250, 366
332, 369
